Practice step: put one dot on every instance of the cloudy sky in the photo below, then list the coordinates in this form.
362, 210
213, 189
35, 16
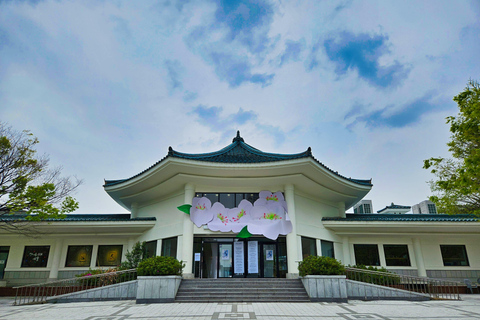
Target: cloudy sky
108, 86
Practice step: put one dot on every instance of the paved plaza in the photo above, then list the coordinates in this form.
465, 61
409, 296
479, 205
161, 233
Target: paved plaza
467, 308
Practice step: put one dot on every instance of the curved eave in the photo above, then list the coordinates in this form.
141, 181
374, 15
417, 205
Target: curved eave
374, 228
173, 173
98, 228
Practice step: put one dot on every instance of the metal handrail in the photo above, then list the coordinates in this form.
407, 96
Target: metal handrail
435, 288
41, 292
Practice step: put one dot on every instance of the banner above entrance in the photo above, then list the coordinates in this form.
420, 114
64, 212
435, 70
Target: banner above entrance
267, 216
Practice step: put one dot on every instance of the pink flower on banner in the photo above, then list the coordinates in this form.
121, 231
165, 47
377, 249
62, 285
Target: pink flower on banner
266, 197
270, 220
226, 220
200, 212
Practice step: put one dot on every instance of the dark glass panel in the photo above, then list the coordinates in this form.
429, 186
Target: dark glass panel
35, 256
366, 254
109, 256
79, 256
327, 249
396, 255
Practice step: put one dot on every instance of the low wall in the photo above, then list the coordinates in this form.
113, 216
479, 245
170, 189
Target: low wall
157, 289
326, 288
340, 289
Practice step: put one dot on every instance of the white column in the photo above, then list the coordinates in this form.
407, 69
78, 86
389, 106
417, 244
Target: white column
187, 238
417, 250
56, 260
93, 262
341, 210
319, 247
292, 244
134, 210
159, 247
346, 252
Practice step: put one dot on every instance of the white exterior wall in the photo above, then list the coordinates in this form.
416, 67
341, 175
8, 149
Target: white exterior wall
169, 219
432, 257
16, 275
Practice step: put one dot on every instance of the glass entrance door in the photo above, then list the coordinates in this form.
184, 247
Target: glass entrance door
225, 263
269, 259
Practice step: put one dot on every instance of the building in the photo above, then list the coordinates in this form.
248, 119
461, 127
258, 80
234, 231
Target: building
363, 206
425, 207
304, 207
394, 209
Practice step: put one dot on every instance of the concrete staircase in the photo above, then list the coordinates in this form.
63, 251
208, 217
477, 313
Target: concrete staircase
241, 290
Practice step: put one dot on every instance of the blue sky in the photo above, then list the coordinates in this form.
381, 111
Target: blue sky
108, 86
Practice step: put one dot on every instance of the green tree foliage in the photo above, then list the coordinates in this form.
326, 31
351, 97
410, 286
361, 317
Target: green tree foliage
134, 257
457, 188
27, 185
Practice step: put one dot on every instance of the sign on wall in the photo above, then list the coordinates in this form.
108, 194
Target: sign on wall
267, 216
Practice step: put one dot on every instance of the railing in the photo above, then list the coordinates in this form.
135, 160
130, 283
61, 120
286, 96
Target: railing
435, 288
40, 293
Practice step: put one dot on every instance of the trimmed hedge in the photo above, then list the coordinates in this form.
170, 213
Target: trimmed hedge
317, 265
160, 266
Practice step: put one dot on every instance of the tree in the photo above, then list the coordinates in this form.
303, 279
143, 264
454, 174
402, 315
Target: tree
27, 185
457, 188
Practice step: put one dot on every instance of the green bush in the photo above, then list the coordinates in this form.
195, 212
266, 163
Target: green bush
317, 265
160, 266
134, 257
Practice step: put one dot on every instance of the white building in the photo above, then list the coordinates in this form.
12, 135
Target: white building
394, 209
425, 207
316, 199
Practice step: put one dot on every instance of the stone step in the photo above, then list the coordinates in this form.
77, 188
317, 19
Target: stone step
242, 290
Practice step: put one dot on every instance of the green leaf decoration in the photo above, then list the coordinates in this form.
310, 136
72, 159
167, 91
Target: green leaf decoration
244, 233
185, 208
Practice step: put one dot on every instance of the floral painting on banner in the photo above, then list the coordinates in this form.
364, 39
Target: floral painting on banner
267, 216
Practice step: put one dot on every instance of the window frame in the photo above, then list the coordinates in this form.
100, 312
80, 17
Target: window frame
387, 259
443, 250
87, 265
362, 245
43, 263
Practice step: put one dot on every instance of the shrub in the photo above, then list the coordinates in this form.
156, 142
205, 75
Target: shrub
317, 265
160, 266
134, 257
86, 279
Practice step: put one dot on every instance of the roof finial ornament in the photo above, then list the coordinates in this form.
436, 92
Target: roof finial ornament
238, 137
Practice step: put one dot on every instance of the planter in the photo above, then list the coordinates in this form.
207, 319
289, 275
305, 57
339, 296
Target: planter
326, 288
157, 289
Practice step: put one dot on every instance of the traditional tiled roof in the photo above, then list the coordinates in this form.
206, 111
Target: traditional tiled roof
79, 217
394, 206
406, 218
239, 152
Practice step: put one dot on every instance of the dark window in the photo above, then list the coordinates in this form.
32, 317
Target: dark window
396, 255
151, 248
79, 256
309, 247
454, 255
366, 254
431, 208
238, 198
327, 249
109, 256
169, 247
35, 257
368, 208
228, 200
